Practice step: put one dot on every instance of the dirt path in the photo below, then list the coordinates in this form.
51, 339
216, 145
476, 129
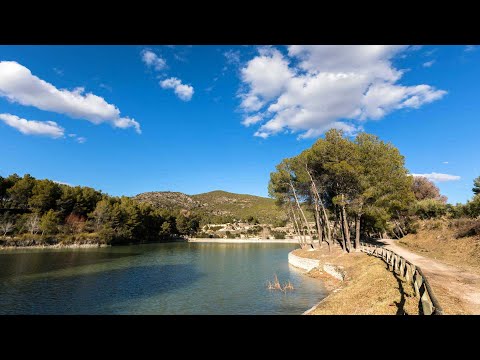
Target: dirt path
458, 291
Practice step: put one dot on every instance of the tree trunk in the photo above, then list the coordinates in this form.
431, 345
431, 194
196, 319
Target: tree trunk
357, 231
399, 228
328, 235
346, 232
301, 211
319, 228
295, 225
342, 231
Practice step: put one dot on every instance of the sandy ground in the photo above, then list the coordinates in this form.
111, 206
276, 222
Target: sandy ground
457, 290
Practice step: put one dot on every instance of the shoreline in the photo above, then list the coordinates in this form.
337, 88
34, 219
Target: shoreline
243, 241
55, 246
358, 284
308, 265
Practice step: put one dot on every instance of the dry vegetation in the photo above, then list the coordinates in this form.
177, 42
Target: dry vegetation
368, 289
454, 241
275, 285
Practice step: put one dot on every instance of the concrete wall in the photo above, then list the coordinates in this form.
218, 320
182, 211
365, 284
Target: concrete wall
302, 263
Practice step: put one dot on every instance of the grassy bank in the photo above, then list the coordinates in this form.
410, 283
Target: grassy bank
369, 287
453, 241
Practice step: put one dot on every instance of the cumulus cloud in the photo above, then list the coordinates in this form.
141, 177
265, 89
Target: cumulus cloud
438, 177
153, 60
314, 88
33, 127
428, 63
184, 92
18, 84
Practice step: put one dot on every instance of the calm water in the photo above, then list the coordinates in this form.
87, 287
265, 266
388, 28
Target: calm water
175, 278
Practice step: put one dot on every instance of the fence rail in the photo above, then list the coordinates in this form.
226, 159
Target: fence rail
428, 303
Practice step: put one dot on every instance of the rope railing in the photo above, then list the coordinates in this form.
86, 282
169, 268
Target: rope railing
428, 303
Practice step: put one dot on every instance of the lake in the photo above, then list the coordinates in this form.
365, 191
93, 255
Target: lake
169, 278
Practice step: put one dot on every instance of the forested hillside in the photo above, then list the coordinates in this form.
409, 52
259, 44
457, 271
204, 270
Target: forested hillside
35, 212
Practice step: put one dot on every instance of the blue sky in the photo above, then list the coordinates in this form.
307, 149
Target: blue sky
130, 119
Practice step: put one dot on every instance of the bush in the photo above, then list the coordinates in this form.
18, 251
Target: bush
278, 234
429, 208
472, 208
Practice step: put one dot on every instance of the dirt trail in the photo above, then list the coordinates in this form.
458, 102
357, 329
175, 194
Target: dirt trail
450, 284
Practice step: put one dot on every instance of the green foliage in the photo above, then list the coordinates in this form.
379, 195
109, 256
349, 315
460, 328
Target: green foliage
252, 220
71, 211
45, 194
187, 225
217, 207
364, 176
278, 234
20, 192
476, 186
429, 208
49, 222
472, 208
456, 211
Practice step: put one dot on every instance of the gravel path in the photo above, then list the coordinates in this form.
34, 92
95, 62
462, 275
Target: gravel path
458, 284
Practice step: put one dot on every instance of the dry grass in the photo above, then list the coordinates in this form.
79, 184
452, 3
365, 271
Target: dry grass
443, 240
450, 303
369, 288
275, 285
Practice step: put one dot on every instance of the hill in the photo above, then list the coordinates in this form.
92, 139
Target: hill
217, 206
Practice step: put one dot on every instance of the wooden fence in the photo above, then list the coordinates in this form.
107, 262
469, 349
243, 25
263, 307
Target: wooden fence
428, 303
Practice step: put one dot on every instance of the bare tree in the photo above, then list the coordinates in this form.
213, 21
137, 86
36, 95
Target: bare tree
33, 223
6, 226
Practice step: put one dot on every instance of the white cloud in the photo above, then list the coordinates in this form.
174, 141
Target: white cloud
33, 127
58, 71
438, 177
428, 63
445, 162
153, 60
232, 57
184, 92
18, 84
314, 88
250, 120
81, 139
469, 48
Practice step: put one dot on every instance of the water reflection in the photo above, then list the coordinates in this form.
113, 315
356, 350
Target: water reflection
179, 278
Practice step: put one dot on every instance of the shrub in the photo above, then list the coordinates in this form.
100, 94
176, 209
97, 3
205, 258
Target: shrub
429, 208
278, 234
472, 208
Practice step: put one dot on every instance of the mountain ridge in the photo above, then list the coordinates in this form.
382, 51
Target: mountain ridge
217, 205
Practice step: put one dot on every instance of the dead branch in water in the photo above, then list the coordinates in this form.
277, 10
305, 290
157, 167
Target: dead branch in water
275, 285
